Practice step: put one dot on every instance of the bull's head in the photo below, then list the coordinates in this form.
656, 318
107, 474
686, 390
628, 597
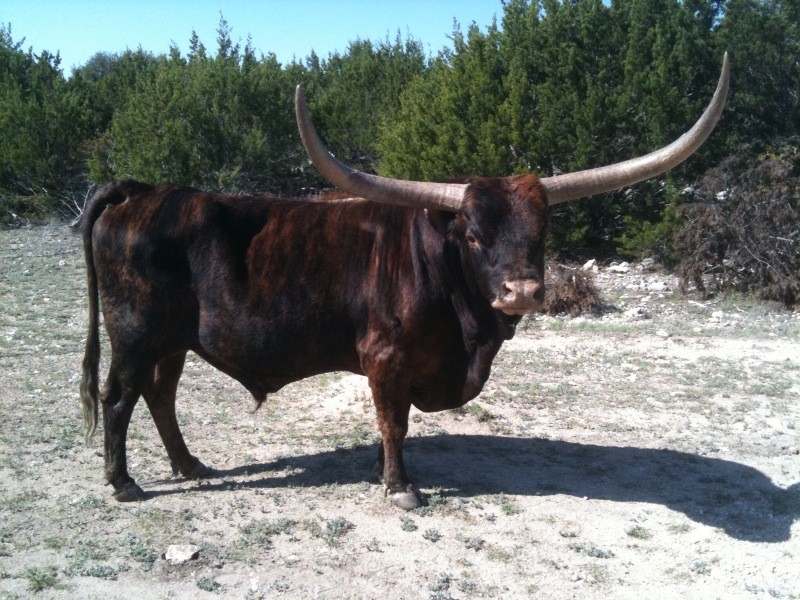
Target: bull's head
501, 222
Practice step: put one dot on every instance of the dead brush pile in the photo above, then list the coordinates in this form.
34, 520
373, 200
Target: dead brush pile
743, 233
568, 291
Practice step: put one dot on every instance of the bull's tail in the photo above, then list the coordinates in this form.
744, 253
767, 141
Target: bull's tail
110, 194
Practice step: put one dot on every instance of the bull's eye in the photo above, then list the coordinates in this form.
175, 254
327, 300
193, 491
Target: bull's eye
473, 241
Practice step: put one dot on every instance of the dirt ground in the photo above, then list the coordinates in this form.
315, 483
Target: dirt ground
650, 451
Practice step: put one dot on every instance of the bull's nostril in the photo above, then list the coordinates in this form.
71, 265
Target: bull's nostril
523, 287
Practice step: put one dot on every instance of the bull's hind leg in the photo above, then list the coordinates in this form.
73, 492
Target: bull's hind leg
160, 398
120, 394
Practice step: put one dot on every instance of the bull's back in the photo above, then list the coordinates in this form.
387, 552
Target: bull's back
256, 285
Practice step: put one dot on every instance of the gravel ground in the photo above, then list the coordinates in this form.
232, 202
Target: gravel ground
651, 450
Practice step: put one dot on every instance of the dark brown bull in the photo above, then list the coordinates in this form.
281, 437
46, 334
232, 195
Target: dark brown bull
415, 285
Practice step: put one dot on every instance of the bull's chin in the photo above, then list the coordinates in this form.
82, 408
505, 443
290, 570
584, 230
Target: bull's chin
515, 311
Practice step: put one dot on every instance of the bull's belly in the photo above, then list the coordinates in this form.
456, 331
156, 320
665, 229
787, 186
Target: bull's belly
443, 391
266, 360
452, 386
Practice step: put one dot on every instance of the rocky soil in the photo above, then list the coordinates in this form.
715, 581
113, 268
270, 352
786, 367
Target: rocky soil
648, 450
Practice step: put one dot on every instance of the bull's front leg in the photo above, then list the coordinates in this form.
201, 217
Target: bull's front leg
392, 407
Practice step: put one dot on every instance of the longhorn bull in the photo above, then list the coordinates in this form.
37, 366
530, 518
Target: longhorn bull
415, 285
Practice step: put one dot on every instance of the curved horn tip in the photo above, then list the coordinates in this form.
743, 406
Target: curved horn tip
571, 186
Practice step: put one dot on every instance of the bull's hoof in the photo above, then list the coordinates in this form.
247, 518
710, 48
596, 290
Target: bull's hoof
200, 471
407, 499
130, 492
197, 471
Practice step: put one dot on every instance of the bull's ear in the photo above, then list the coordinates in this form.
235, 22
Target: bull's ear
441, 220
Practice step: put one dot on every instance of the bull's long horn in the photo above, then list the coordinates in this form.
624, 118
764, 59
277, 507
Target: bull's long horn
418, 194
570, 186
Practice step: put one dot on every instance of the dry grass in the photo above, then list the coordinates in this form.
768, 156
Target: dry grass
569, 291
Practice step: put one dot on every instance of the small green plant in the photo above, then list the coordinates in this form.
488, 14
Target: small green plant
498, 554
596, 574
569, 533
475, 543
140, 552
261, 532
639, 532
508, 506
440, 583
680, 528
21, 501
432, 535
41, 578
208, 584
700, 567
591, 550
53, 543
335, 529
312, 527
101, 572
435, 500
85, 553
480, 413
408, 524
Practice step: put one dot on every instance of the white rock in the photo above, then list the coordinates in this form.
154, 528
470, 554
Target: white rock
588, 265
178, 554
637, 313
622, 267
647, 263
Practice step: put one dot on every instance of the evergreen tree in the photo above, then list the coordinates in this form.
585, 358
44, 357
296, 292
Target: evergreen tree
350, 93
763, 38
449, 122
39, 122
221, 122
562, 85
104, 83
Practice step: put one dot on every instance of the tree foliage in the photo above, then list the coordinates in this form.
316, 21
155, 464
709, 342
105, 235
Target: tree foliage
38, 119
353, 91
217, 122
553, 86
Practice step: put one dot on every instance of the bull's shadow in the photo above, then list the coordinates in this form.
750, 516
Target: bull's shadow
734, 497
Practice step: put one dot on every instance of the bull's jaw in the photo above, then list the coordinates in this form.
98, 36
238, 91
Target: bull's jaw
514, 311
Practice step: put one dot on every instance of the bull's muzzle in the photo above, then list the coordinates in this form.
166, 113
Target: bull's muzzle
519, 296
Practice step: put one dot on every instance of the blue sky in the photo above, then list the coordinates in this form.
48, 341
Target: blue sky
289, 28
